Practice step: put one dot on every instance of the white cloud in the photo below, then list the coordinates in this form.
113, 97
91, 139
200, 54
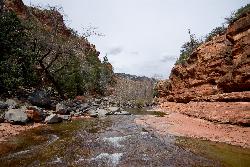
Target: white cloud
147, 27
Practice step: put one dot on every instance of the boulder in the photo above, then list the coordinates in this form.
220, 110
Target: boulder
11, 103
112, 110
62, 109
101, 112
16, 116
84, 106
3, 105
35, 114
77, 114
40, 98
53, 118
92, 113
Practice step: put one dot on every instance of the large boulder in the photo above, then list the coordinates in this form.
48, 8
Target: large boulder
16, 116
35, 113
53, 118
40, 98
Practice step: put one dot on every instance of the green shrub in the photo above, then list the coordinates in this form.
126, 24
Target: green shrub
187, 48
16, 61
216, 31
236, 15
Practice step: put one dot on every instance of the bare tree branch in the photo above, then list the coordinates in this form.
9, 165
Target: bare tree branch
54, 59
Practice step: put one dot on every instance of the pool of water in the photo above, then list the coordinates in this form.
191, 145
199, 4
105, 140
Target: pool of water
113, 141
228, 155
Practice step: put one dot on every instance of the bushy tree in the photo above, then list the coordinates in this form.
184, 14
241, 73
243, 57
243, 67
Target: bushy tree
16, 61
188, 47
38, 54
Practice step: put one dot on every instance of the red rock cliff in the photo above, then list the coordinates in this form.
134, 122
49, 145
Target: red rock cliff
218, 70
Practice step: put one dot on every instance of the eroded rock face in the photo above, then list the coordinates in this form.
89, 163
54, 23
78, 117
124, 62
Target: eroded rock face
219, 66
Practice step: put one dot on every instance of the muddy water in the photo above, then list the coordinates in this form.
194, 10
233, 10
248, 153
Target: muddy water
112, 141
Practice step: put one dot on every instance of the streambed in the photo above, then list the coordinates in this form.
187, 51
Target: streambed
114, 141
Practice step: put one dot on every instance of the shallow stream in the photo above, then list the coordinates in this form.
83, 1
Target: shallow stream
114, 141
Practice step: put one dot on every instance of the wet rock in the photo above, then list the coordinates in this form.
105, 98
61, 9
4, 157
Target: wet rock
35, 114
16, 116
3, 105
40, 98
11, 103
53, 118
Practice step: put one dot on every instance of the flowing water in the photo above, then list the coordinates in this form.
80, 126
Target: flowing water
114, 141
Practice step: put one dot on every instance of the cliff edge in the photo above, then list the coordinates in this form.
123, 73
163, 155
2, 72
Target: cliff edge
218, 70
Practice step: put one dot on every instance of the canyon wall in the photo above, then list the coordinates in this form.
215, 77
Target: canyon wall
218, 70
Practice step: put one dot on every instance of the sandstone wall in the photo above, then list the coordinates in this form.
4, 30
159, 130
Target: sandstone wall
219, 66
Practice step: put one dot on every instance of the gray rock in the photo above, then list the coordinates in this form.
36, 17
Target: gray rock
101, 112
122, 113
16, 116
74, 109
61, 109
98, 101
65, 117
113, 110
53, 118
92, 113
11, 103
40, 98
77, 114
84, 106
95, 104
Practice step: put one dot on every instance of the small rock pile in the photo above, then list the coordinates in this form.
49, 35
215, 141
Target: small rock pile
15, 112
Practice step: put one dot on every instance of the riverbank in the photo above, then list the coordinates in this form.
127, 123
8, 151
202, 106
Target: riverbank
8, 130
182, 125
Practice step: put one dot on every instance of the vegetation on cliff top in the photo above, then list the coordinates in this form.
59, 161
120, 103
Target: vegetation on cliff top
190, 46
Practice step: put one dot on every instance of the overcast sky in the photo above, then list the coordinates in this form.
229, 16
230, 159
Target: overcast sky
143, 37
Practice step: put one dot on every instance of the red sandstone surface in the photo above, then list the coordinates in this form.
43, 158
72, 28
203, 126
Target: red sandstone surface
183, 125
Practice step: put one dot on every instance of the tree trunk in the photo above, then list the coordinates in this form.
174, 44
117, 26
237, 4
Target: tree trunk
52, 79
